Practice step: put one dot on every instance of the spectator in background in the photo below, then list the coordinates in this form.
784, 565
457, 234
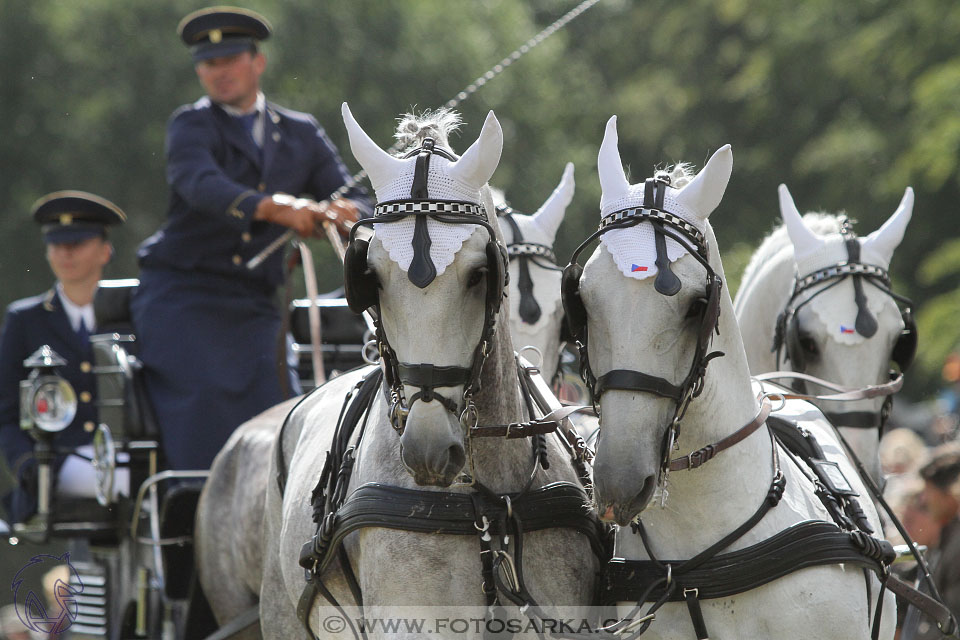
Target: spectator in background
940, 498
902, 453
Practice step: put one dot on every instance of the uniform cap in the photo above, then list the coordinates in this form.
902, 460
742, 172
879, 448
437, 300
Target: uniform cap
73, 216
222, 31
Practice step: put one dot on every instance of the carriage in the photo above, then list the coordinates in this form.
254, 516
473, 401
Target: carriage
130, 540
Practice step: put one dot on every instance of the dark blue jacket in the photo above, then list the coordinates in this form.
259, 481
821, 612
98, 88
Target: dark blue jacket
31, 323
218, 175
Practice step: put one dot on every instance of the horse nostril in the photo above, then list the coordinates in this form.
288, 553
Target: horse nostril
456, 457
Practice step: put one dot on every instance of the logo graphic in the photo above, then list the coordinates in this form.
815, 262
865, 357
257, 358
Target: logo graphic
39, 616
846, 329
637, 267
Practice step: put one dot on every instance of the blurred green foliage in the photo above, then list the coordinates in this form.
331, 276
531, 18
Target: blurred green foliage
847, 103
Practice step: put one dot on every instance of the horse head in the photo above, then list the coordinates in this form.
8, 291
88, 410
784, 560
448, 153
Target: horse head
845, 325
649, 298
536, 314
434, 271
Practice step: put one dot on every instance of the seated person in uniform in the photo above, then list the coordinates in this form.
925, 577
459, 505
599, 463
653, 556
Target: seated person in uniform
208, 327
74, 226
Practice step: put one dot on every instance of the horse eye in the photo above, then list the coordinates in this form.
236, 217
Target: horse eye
697, 309
476, 277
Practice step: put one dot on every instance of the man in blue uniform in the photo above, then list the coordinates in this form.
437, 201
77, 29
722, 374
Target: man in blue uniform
208, 326
74, 225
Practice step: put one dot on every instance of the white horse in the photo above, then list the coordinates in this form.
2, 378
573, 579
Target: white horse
642, 346
536, 313
819, 333
236, 490
440, 322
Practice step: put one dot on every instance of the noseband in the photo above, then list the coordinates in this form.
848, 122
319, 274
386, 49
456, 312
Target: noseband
665, 224
786, 341
361, 292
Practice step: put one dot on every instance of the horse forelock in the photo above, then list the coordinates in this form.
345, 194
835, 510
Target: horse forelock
438, 124
678, 175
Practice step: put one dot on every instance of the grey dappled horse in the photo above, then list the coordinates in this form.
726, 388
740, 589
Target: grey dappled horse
439, 323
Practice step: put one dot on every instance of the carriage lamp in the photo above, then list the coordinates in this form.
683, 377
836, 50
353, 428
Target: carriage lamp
48, 405
48, 402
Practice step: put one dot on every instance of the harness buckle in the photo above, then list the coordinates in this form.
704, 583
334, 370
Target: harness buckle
694, 591
695, 459
470, 417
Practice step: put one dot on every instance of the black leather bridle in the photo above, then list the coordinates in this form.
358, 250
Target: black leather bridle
665, 224
787, 344
360, 286
524, 253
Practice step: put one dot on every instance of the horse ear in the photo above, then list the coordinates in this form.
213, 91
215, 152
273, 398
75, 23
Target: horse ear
550, 215
804, 240
613, 181
887, 238
476, 166
380, 166
704, 192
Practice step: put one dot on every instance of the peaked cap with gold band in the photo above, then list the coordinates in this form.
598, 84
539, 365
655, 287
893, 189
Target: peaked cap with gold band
217, 32
67, 217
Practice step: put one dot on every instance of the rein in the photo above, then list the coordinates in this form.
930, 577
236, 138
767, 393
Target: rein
460, 97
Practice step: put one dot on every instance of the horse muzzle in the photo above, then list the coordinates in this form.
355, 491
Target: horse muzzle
431, 446
619, 496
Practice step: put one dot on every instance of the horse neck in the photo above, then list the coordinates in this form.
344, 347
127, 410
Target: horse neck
726, 490
500, 464
760, 301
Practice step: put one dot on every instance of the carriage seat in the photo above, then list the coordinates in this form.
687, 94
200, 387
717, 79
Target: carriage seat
122, 400
342, 334
111, 305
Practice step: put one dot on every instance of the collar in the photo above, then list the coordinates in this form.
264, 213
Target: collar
77, 312
258, 107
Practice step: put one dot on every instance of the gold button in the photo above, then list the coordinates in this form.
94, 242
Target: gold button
85, 396
237, 260
85, 366
262, 186
245, 236
88, 426
276, 136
